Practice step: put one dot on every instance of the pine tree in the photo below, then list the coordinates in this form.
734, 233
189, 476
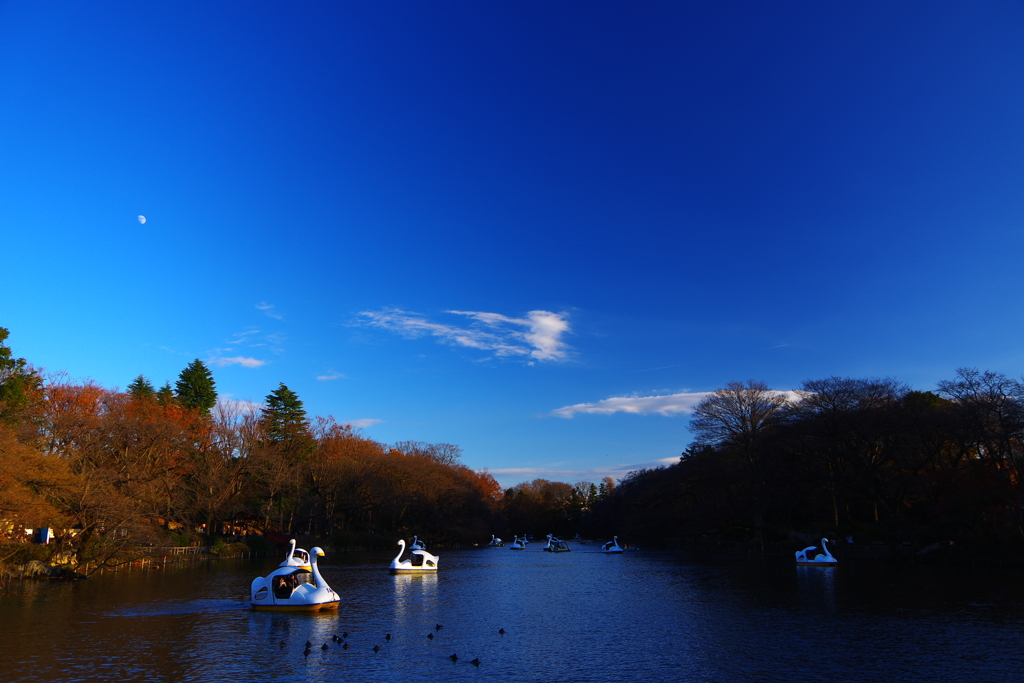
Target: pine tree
195, 387
166, 395
283, 414
17, 382
141, 388
284, 422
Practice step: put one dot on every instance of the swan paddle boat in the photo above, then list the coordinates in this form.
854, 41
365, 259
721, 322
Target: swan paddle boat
296, 557
556, 545
419, 562
496, 542
295, 586
517, 544
612, 546
823, 559
417, 544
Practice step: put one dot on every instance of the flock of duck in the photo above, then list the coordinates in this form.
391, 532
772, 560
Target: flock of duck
343, 642
297, 585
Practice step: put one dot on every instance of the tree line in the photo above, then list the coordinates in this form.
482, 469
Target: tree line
866, 458
869, 458
115, 473
123, 470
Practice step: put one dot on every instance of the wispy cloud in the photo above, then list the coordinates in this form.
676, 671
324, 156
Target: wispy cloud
229, 407
269, 310
671, 404
364, 423
244, 361
536, 337
243, 337
331, 374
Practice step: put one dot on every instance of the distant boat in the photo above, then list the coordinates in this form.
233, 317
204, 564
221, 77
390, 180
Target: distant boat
419, 562
417, 544
556, 545
295, 586
496, 542
517, 544
296, 557
823, 559
612, 546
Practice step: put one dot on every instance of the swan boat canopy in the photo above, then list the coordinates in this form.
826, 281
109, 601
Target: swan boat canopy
420, 561
823, 559
295, 586
612, 546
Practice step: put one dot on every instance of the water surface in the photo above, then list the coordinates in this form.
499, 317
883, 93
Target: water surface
580, 616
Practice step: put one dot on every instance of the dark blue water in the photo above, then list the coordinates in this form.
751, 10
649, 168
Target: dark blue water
579, 616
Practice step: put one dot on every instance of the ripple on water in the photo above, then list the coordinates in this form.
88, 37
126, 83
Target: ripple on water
579, 616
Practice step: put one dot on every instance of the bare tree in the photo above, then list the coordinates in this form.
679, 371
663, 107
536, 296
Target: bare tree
737, 415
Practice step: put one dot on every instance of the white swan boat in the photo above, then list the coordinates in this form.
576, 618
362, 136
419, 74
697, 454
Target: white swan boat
496, 542
517, 544
823, 559
612, 546
296, 557
556, 545
295, 586
417, 544
419, 562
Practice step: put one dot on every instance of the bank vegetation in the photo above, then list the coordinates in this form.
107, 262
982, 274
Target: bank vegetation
122, 475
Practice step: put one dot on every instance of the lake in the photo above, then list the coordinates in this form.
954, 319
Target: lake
579, 616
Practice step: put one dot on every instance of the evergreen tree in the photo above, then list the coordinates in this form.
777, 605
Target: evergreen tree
141, 388
285, 424
195, 387
166, 394
17, 381
283, 417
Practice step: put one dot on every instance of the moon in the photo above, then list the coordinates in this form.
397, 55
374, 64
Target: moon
142, 219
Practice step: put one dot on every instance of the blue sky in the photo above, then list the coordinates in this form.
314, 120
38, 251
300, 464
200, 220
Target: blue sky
536, 230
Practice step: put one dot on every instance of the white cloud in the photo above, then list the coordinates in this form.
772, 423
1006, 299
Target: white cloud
362, 424
671, 404
537, 336
331, 374
269, 310
244, 361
